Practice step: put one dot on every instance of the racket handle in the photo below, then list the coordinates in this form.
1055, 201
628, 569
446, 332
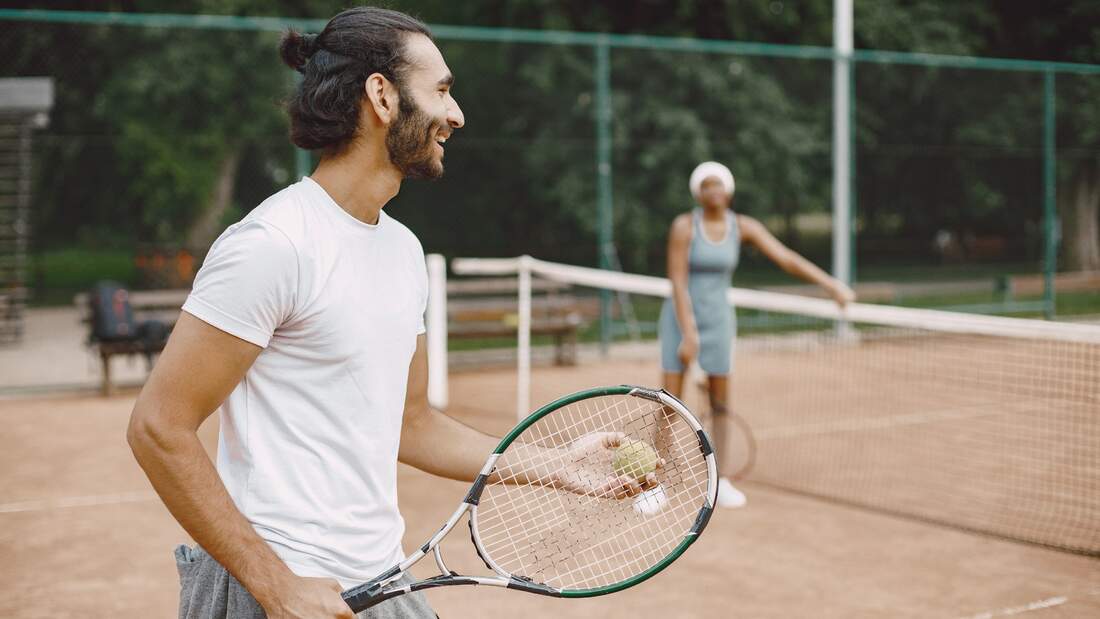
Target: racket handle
362, 598
370, 593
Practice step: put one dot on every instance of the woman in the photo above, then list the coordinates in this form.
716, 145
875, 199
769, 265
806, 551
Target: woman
697, 322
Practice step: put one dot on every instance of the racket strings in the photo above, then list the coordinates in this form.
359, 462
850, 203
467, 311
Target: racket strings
570, 540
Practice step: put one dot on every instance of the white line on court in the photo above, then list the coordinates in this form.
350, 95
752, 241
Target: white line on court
1019, 610
78, 501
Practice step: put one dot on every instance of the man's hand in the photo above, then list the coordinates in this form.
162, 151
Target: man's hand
587, 471
308, 598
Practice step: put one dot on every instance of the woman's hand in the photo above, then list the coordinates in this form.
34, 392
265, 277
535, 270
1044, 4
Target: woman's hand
840, 292
689, 347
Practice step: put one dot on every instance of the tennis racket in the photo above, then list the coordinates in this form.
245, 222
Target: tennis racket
561, 539
739, 453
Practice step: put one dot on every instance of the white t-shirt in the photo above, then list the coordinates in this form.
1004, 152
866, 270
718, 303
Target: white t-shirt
309, 438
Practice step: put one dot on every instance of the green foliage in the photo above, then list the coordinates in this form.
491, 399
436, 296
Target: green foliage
59, 274
145, 117
187, 100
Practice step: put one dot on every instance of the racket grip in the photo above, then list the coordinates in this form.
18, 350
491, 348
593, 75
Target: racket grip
370, 593
362, 598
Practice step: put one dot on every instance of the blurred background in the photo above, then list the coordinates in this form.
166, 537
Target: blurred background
165, 129
946, 466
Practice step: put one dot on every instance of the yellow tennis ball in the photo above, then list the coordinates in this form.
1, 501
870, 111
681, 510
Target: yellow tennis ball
510, 320
634, 459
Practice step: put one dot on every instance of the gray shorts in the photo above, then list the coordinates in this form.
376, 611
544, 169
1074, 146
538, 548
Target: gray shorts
208, 591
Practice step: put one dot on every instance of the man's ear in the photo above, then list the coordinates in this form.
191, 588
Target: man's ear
382, 95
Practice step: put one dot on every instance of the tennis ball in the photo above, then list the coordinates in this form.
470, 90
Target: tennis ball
510, 320
634, 459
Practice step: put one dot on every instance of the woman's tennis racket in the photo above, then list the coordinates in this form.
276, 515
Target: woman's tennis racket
739, 455
542, 538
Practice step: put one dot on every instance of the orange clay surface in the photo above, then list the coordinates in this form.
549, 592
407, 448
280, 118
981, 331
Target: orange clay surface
83, 535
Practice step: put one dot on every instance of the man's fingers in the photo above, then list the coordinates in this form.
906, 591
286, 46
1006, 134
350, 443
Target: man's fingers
611, 440
612, 488
630, 486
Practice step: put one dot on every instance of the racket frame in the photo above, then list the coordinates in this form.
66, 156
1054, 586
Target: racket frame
375, 591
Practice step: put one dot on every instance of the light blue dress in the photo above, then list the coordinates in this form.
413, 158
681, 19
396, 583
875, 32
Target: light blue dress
710, 268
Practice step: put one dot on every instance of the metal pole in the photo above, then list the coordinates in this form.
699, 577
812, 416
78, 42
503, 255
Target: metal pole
303, 161
603, 173
842, 140
523, 348
1050, 220
437, 331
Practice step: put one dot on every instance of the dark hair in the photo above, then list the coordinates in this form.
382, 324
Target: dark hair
324, 109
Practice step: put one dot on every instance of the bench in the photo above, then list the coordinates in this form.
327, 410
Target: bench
1072, 281
161, 305
489, 307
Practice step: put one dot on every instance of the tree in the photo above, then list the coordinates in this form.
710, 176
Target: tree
167, 134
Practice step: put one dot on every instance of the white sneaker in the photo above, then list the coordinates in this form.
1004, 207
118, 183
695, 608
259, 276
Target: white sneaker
728, 496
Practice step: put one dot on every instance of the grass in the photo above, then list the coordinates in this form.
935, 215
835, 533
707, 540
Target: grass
56, 275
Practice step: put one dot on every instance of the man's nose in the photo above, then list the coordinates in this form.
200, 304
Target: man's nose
455, 118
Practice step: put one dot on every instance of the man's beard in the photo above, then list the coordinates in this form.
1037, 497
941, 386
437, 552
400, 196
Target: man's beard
410, 139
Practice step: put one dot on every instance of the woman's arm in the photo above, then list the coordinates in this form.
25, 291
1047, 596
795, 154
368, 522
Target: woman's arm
754, 232
679, 246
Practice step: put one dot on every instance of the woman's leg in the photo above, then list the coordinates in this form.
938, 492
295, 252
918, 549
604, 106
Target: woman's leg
718, 398
718, 392
673, 382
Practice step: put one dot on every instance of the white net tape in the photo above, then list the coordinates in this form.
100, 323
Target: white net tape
980, 422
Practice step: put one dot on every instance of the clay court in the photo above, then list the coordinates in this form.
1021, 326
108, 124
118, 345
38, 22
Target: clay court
83, 535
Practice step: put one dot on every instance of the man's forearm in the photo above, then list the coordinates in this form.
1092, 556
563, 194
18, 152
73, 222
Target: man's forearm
441, 445
187, 482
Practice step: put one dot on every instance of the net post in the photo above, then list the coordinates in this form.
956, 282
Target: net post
1050, 221
523, 348
437, 331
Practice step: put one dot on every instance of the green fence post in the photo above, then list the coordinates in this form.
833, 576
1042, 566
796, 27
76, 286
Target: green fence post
303, 159
603, 172
852, 203
303, 163
1050, 221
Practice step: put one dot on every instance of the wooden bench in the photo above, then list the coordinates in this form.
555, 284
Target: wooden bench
1072, 281
489, 307
161, 305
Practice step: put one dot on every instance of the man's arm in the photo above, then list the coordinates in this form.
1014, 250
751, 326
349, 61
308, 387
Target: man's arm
200, 366
441, 445
432, 441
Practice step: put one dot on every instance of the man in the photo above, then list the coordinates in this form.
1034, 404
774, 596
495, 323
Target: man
305, 325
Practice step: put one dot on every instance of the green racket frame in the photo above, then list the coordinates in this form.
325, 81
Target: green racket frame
382, 587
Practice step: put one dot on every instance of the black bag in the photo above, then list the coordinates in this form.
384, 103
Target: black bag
112, 316
153, 335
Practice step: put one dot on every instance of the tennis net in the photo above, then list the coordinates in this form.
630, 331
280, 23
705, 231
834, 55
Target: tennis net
984, 423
